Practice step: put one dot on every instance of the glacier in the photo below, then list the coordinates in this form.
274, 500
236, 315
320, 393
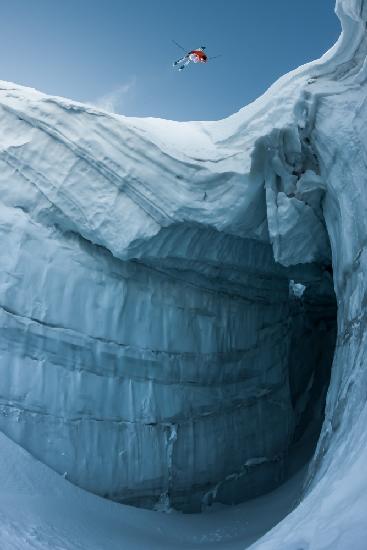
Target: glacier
153, 354
176, 301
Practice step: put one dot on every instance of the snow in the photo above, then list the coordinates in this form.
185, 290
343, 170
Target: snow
296, 289
39, 509
150, 350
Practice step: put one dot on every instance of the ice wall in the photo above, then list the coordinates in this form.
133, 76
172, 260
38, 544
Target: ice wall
150, 348
149, 341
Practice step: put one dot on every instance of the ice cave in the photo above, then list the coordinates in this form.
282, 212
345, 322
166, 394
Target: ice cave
183, 324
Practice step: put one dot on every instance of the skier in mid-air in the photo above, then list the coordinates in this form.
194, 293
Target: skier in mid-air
196, 56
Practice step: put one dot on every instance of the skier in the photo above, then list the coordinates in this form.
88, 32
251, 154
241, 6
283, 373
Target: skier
196, 56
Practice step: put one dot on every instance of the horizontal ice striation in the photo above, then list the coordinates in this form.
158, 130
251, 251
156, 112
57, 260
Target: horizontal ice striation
150, 347
139, 381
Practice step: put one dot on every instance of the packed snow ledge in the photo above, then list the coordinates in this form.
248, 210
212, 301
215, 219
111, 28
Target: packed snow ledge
178, 301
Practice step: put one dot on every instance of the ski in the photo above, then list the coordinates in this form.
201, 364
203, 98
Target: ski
179, 45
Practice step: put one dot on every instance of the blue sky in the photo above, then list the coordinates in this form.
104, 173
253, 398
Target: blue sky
119, 53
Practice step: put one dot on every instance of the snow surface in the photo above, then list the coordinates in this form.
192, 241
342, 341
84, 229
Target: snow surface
145, 340
39, 509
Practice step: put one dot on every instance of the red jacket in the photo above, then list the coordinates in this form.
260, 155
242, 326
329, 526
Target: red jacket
201, 55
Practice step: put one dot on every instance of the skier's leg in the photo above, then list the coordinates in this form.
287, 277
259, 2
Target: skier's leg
187, 61
180, 60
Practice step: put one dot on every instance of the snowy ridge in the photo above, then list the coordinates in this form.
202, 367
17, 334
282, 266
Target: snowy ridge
150, 349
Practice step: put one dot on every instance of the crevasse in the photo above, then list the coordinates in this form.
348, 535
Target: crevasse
151, 348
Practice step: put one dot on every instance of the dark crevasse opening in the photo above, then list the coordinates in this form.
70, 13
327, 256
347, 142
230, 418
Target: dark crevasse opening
312, 330
311, 339
312, 349
311, 355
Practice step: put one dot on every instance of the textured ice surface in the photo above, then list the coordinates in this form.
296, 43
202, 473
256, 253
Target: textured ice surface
144, 354
150, 347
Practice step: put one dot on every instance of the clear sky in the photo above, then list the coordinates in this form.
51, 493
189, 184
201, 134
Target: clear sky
119, 53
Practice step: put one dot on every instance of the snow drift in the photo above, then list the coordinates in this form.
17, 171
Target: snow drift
151, 349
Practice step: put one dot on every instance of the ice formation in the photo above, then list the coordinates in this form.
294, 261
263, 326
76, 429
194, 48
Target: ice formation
150, 348
156, 346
